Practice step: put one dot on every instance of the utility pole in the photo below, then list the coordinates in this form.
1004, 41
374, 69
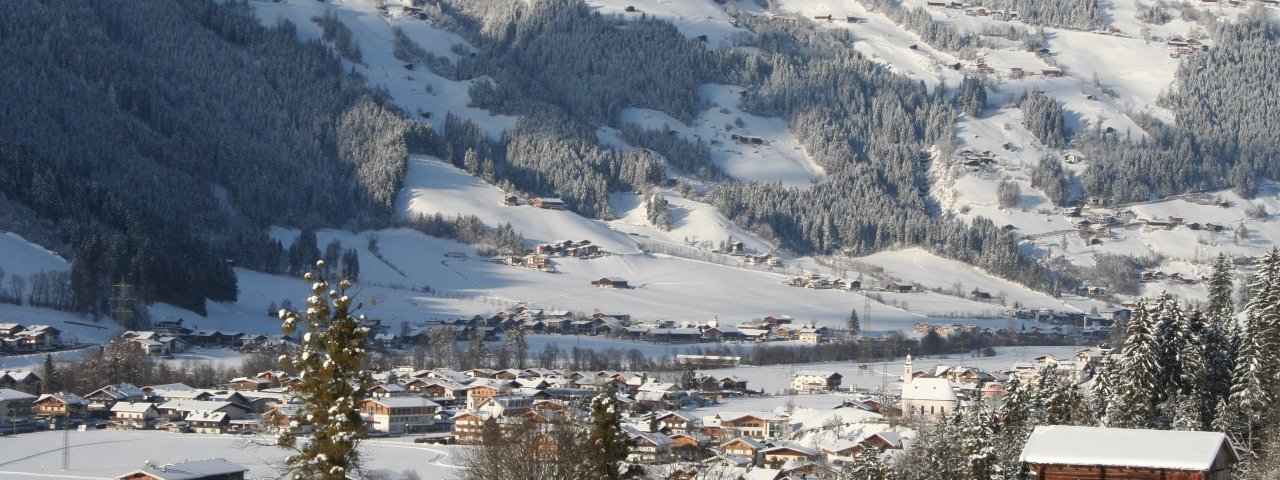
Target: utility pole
66, 444
122, 305
866, 313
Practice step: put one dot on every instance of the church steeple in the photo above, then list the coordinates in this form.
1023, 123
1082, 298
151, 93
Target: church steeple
907, 371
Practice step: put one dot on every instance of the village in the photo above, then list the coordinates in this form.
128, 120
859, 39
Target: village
676, 427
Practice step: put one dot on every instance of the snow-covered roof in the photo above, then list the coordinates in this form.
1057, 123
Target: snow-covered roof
64, 397
1118, 447
815, 373
191, 470
928, 389
404, 402
11, 395
132, 407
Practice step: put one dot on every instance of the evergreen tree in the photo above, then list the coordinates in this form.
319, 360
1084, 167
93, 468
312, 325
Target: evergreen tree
52, 383
1248, 409
1138, 374
977, 428
330, 382
868, 465
971, 96
606, 439
855, 323
1220, 333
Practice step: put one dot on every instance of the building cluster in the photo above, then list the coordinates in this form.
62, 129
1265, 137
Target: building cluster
819, 282
1094, 325
615, 325
171, 336
18, 338
539, 257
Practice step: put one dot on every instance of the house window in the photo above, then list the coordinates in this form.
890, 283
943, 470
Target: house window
931, 409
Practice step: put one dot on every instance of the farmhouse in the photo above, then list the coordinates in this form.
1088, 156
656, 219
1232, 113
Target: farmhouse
400, 414
898, 287
815, 381
548, 203
611, 282
1062, 452
54, 405
15, 410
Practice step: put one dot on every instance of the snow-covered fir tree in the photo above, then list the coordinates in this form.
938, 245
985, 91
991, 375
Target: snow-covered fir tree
330, 382
1137, 376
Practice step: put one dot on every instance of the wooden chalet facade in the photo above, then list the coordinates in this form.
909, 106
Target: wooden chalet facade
1063, 452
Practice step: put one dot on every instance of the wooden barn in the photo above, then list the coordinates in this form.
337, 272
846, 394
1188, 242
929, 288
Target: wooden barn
1062, 452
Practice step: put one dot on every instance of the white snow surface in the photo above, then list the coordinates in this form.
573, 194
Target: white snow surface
780, 158
1119, 447
106, 454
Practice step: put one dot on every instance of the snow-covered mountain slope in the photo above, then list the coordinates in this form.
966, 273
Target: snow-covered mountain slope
416, 278
723, 126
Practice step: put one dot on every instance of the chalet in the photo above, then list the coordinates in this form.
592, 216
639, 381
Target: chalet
845, 451
811, 334
647, 447
25, 381
755, 425
677, 422
897, 287
212, 469
611, 282
16, 410
249, 384
548, 203
171, 327
1062, 452
776, 320
182, 409
479, 393
468, 427
506, 405
1051, 72
61, 405
744, 447
688, 447
815, 381
133, 415
102, 399
779, 455
399, 414
510, 200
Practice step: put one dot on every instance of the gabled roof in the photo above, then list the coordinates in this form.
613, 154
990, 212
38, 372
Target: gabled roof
132, 407
190, 470
751, 442
205, 416
929, 389
1119, 447
64, 397
794, 447
403, 402
9, 395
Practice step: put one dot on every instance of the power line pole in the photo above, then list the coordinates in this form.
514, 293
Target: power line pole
66, 444
122, 308
866, 312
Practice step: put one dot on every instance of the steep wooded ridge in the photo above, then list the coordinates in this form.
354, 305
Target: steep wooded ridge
159, 139
870, 129
1225, 103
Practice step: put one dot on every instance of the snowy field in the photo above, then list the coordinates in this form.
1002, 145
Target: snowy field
106, 454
